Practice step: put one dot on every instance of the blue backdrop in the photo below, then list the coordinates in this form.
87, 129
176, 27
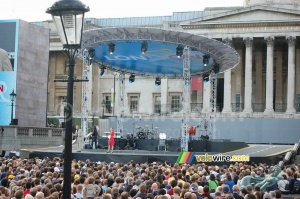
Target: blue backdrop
160, 58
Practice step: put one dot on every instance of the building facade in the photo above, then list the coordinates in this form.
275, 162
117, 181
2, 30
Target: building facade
265, 84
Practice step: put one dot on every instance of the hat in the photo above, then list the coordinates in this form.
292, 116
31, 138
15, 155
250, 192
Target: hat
76, 176
138, 182
217, 193
226, 189
11, 177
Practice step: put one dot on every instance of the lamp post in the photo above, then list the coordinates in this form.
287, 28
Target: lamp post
13, 96
65, 104
103, 106
68, 16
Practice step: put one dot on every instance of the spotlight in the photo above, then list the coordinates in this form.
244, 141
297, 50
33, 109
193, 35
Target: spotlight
91, 52
91, 55
157, 81
179, 51
205, 78
144, 47
206, 60
131, 78
102, 71
216, 69
111, 48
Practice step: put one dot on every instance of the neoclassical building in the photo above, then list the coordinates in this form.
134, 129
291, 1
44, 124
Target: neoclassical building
265, 84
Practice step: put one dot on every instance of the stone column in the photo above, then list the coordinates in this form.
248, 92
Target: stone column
206, 97
269, 76
258, 78
291, 76
279, 77
248, 76
227, 85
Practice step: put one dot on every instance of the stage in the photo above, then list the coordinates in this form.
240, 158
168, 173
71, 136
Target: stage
270, 154
173, 145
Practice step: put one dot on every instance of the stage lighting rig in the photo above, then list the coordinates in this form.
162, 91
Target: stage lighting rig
157, 81
111, 48
206, 60
179, 51
205, 77
131, 78
216, 69
144, 47
102, 70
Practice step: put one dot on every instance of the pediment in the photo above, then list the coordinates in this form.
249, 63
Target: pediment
255, 14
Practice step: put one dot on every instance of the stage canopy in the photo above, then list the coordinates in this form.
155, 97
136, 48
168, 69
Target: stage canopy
120, 50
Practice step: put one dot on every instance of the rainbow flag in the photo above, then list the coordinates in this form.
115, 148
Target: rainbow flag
185, 157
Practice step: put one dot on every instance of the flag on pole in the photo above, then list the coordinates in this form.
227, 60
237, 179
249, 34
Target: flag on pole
197, 83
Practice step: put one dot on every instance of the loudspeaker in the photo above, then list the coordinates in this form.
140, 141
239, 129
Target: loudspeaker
15, 121
88, 146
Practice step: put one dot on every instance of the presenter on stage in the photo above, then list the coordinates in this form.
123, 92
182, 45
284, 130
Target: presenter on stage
79, 135
5, 64
94, 136
111, 140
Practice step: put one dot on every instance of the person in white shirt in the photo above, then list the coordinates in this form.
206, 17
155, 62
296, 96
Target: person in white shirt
283, 184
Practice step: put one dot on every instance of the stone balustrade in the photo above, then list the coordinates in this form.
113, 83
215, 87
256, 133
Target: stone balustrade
16, 137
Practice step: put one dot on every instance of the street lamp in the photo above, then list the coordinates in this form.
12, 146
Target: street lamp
103, 106
65, 104
68, 16
13, 96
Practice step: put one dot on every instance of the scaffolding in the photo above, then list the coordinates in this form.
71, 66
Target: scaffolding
85, 89
185, 100
213, 105
121, 104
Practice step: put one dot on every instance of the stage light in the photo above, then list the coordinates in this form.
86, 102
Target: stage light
157, 81
111, 48
91, 55
131, 78
144, 47
206, 60
205, 77
102, 71
179, 51
216, 69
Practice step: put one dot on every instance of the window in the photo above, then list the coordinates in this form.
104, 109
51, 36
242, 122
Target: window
107, 107
134, 103
175, 103
157, 104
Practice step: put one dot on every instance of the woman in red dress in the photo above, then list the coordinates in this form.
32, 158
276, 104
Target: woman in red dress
111, 140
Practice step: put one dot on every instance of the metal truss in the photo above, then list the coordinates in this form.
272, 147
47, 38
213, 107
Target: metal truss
213, 105
85, 89
223, 55
121, 103
185, 100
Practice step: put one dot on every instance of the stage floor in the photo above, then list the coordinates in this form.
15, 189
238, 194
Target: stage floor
270, 154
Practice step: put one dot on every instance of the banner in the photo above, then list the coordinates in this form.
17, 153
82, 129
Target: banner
197, 83
8, 71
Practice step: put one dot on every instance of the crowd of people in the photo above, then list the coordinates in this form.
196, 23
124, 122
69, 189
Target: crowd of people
43, 178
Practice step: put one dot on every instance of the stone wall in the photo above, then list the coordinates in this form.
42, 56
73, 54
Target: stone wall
32, 75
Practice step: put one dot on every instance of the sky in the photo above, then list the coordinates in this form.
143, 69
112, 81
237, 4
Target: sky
34, 10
